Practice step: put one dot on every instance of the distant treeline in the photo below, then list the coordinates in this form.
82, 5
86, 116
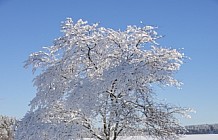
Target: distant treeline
202, 129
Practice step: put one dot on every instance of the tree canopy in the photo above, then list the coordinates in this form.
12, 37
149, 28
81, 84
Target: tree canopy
98, 82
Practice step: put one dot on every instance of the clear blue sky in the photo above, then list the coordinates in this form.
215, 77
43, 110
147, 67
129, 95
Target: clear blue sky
26, 26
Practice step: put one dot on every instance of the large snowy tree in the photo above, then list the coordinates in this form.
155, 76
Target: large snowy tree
98, 82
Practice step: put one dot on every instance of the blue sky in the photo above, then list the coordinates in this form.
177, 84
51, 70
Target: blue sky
26, 26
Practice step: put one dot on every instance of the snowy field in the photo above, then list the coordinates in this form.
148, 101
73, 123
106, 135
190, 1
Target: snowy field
188, 137
201, 137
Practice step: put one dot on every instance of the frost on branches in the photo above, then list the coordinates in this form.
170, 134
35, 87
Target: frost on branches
97, 82
7, 125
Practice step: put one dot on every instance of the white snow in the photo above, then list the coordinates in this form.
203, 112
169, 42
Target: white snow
201, 137
188, 137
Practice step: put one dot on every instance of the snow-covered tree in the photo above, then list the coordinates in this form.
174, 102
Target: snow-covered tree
7, 125
98, 82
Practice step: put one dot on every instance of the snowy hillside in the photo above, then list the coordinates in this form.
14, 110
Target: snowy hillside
188, 137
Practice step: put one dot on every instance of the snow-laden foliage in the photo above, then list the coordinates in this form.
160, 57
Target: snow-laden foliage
202, 129
97, 82
7, 125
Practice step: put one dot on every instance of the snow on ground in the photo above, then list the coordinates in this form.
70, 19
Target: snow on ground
188, 137
201, 137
